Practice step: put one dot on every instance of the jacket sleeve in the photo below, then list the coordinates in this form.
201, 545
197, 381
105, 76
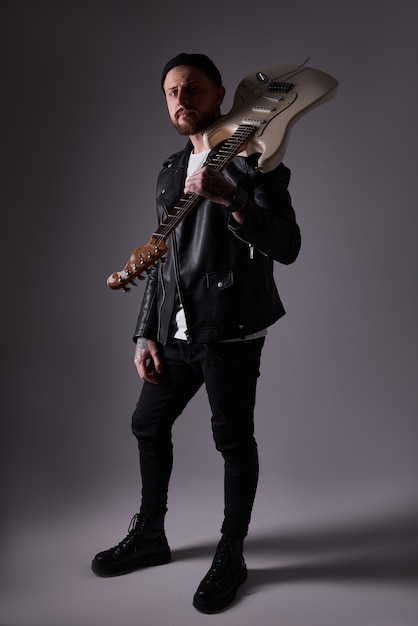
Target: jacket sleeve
147, 323
269, 220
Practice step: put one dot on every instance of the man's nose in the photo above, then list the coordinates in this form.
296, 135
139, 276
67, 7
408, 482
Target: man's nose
183, 97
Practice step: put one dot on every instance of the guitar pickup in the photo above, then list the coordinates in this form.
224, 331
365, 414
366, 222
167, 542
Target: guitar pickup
273, 97
263, 109
251, 121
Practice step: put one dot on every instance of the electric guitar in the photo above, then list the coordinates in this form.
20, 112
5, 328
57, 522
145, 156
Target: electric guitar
266, 105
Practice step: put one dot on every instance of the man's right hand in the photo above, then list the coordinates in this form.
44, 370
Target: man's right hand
147, 360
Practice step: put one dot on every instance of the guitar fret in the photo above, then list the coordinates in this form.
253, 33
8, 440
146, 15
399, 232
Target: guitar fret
177, 215
231, 147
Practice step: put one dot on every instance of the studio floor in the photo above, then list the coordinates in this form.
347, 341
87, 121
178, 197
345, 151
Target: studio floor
321, 570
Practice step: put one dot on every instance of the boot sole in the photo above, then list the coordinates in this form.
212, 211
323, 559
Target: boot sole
146, 560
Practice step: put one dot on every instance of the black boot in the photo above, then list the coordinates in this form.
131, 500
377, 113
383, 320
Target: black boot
228, 571
145, 545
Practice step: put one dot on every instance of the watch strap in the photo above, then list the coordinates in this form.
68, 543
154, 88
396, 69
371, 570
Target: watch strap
239, 201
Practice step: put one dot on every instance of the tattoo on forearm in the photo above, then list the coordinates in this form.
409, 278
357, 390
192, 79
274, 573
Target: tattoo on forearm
219, 187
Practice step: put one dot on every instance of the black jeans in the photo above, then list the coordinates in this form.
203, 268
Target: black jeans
229, 371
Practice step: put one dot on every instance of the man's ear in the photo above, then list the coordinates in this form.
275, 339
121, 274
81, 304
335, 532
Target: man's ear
220, 96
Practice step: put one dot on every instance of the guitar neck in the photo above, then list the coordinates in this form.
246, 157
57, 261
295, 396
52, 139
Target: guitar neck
218, 161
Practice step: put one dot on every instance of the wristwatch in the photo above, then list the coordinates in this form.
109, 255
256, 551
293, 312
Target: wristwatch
239, 201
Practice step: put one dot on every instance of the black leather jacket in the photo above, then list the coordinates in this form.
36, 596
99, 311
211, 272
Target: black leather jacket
222, 271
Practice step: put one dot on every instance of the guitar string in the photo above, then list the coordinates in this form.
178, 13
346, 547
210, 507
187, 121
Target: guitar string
188, 202
231, 147
292, 72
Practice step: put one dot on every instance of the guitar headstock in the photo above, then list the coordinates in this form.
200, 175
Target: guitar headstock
140, 261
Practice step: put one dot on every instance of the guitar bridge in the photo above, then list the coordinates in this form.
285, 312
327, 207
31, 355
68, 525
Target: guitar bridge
277, 87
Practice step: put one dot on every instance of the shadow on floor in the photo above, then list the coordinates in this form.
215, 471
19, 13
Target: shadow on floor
381, 550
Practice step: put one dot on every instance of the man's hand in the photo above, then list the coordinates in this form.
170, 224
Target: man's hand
147, 360
213, 185
210, 184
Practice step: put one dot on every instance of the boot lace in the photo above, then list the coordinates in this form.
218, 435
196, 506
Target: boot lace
136, 526
222, 561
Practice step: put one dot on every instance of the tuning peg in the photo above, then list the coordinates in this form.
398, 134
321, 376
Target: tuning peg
126, 289
163, 259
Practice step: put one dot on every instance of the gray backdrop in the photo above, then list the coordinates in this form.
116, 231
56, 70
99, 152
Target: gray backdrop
85, 131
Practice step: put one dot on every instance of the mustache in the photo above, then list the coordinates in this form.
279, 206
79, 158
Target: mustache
183, 110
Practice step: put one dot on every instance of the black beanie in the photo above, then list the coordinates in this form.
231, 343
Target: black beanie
200, 61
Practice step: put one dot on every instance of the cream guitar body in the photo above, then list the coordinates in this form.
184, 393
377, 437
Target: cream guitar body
273, 100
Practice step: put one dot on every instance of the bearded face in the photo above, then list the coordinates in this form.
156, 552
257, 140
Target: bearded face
193, 99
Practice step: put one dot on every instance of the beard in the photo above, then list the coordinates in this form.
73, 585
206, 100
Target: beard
193, 125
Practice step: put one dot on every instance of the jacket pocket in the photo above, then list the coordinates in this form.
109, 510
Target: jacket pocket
218, 281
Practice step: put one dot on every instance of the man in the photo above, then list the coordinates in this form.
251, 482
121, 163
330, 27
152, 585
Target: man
203, 320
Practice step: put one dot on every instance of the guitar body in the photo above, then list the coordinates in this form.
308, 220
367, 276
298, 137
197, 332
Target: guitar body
274, 99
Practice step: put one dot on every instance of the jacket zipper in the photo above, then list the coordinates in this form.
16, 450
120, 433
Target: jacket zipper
178, 283
162, 301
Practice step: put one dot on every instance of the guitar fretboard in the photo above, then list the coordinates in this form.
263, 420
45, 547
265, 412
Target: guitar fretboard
225, 153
